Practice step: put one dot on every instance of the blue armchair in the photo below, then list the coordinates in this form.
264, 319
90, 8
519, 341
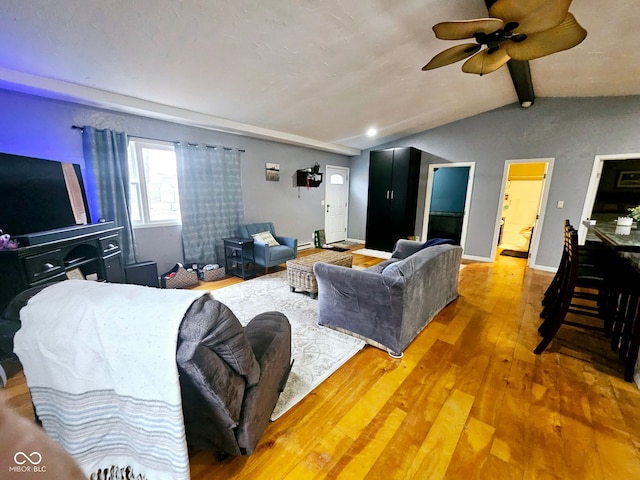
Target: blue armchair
266, 255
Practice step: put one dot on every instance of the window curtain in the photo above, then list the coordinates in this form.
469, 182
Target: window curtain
105, 155
210, 200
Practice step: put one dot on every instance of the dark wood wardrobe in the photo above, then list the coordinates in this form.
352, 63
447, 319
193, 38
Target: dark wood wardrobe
394, 176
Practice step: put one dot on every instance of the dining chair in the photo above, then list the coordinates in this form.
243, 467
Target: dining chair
622, 280
571, 290
558, 299
589, 296
625, 309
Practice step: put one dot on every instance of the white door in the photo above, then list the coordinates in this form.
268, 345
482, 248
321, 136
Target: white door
336, 203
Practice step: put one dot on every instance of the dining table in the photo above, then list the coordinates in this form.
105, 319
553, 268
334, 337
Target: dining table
620, 238
625, 242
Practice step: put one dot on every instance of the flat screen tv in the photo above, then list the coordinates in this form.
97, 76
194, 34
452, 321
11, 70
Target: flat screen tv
38, 195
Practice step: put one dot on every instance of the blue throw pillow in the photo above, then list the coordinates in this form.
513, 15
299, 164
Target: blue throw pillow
437, 241
391, 267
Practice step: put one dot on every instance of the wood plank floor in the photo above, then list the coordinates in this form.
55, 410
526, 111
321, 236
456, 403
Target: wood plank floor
469, 400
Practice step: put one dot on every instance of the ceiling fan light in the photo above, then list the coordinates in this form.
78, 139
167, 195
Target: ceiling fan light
543, 27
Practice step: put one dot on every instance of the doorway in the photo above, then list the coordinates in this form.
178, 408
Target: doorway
336, 204
447, 201
614, 196
523, 197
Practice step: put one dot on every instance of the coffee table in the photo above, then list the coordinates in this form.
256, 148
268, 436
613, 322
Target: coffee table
300, 270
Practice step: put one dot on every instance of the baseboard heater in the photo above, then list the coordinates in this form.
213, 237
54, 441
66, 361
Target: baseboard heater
305, 246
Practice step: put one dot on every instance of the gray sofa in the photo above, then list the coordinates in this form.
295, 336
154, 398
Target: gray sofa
388, 304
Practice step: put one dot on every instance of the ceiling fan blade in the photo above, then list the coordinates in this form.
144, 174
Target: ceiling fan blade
452, 55
485, 62
563, 37
466, 28
532, 15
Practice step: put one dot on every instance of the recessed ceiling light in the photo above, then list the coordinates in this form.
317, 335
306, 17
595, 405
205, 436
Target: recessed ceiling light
371, 132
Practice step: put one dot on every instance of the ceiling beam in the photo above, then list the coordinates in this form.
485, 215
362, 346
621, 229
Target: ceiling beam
83, 95
521, 78
520, 75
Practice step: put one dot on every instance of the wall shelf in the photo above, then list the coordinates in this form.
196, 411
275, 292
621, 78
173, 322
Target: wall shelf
308, 177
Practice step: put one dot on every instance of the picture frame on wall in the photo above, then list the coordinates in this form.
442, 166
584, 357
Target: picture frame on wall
272, 171
628, 179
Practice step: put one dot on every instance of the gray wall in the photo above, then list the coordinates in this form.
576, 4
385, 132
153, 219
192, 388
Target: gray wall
40, 127
571, 130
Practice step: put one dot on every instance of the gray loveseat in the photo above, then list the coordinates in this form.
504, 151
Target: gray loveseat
387, 305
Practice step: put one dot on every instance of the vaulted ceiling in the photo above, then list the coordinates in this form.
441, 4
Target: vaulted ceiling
303, 72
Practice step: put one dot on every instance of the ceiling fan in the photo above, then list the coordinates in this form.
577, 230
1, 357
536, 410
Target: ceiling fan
516, 30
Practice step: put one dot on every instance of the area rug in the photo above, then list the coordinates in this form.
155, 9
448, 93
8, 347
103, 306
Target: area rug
514, 253
317, 351
373, 253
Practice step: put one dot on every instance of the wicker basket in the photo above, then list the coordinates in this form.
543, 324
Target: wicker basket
211, 275
182, 279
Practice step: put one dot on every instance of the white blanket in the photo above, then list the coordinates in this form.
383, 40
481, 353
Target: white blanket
100, 362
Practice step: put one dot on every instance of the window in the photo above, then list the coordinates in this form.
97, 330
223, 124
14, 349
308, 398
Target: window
153, 183
337, 179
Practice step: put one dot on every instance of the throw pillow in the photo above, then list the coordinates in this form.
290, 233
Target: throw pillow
382, 266
437, 241
393, 268
265, 237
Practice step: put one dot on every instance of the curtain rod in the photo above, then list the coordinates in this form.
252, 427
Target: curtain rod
76, 127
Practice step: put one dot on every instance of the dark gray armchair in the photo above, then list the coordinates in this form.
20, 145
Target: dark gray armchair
266, 255
230, 376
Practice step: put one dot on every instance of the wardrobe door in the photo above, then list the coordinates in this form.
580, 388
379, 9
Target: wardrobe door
378, 214
399, 193
405, 182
